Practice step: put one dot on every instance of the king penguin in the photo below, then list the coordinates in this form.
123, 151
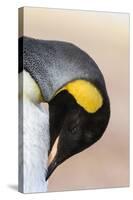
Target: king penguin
70, 81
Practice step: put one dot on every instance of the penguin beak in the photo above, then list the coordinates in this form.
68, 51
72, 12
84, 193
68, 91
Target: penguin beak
51, 168
52, 159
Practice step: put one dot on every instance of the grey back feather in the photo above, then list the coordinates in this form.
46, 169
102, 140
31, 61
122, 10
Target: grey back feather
53, 64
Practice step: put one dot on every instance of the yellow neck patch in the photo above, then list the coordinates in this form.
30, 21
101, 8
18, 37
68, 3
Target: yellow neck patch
86, 94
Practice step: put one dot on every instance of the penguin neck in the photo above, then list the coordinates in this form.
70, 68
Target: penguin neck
29, 89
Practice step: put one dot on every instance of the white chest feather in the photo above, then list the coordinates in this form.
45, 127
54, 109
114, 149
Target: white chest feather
33, 139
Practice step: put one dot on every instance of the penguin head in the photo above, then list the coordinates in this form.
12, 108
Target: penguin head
76, 128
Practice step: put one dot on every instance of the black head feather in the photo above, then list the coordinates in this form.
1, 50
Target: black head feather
77, 129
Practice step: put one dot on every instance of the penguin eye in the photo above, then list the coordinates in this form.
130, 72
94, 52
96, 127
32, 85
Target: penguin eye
74, 130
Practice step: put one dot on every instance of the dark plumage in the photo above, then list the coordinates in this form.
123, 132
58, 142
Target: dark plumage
76, 128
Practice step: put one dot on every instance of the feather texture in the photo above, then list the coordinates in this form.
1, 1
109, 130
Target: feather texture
33, 142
